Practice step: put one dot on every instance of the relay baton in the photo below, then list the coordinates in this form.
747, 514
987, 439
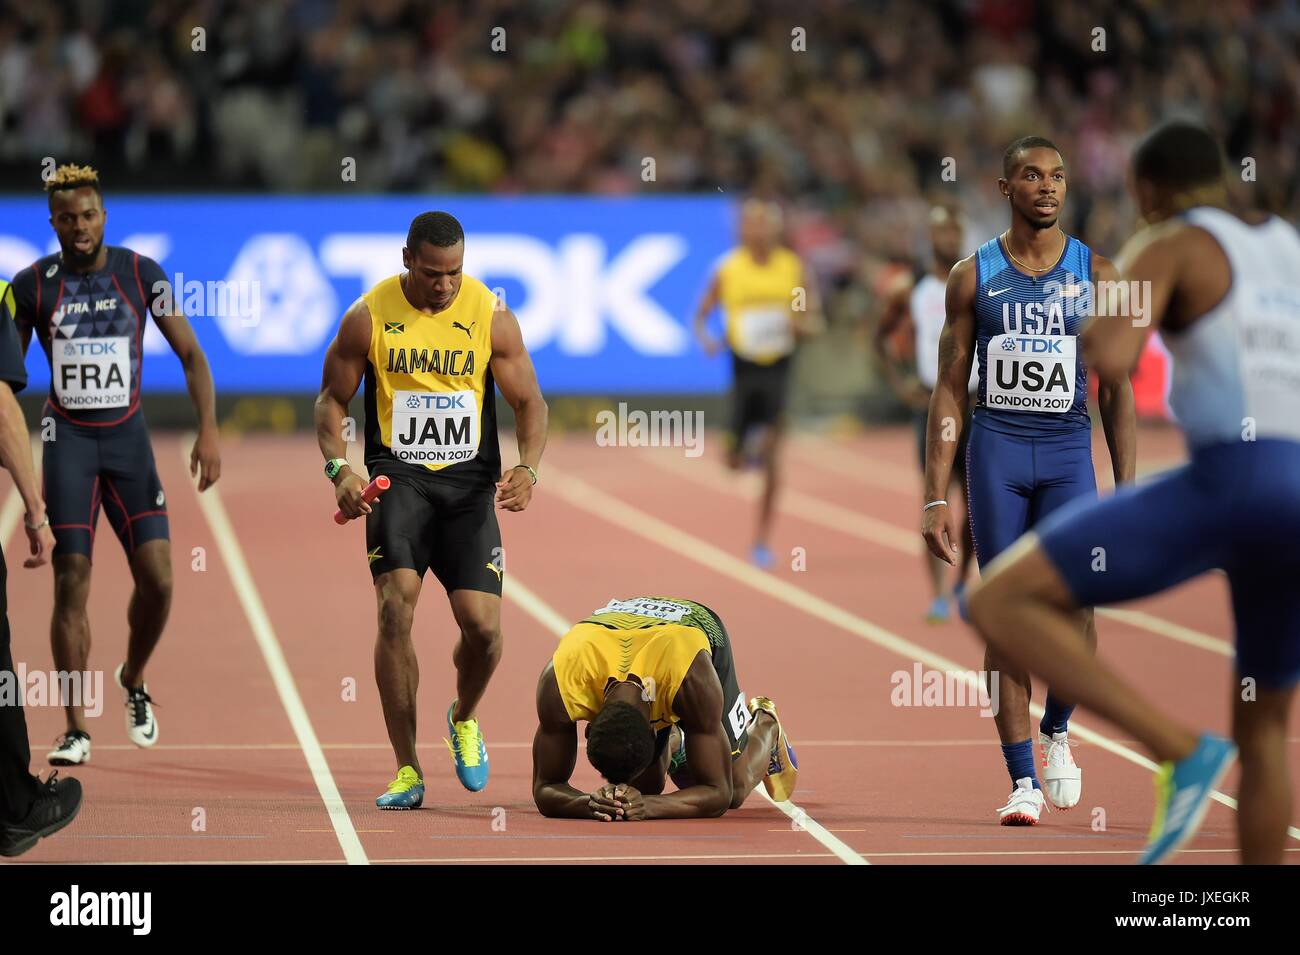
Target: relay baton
375, 488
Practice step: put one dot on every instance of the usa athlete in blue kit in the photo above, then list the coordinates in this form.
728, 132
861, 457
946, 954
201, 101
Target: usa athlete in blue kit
1016, 307
1224, 291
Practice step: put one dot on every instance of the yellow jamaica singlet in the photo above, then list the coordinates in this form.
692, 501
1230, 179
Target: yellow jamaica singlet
429, 393
757, 301
655, 638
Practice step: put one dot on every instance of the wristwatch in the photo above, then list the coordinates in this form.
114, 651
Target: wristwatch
531, 473
333, 466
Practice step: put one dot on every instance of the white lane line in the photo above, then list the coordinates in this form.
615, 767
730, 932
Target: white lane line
819, 511
552, 621
272, 653
591, 499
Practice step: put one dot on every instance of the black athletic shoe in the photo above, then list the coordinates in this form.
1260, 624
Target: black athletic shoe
57, 804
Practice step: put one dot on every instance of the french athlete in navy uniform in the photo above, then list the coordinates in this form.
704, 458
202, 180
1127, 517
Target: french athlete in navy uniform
87, 305
1224, 291
1016, 308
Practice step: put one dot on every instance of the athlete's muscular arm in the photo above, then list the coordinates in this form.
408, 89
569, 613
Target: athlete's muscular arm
25, 317
16, 458
345, 364
15, 449
205, 456
513, 370
948, 408
555, 752
698, 706
908, 389
712, 295
1115, 393
1150, 264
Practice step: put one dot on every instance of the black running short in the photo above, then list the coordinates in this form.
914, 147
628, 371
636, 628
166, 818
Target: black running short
427, 521
735, 709
758, 395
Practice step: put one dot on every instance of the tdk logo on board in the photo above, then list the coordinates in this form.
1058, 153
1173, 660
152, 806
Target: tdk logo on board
436, 402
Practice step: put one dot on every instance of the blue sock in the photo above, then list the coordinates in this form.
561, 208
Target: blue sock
1056, 715
1020, 761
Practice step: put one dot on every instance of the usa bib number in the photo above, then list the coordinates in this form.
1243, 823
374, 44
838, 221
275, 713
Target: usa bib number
92, 372
1031, 373
435, 427
764, 332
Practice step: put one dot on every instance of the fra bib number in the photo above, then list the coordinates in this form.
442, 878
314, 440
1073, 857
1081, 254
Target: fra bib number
92, 372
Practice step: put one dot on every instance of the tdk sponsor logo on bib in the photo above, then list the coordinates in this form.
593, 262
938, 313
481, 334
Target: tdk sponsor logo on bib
1031, 372
92, 372
435, 427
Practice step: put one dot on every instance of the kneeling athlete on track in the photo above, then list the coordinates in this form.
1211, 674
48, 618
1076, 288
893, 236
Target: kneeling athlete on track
655, 680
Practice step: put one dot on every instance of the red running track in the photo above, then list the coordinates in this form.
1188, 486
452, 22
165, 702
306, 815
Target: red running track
272, 744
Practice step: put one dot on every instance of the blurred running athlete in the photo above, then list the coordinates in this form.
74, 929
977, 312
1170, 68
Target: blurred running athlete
770, 302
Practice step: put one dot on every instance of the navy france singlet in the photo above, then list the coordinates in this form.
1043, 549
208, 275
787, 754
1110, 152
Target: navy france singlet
1032, 380
90, 325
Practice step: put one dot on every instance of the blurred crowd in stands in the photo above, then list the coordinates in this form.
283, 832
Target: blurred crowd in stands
854, 113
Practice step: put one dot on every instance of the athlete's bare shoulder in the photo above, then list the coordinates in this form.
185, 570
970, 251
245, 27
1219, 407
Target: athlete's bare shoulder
355, 329
1160, 239
1176, 255
962, 281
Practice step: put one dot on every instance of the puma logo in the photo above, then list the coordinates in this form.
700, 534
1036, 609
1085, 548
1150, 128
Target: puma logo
467, 331
495, 569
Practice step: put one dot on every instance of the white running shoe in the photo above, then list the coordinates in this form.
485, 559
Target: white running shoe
1024, 806
70, 749
1062, 779
141, 727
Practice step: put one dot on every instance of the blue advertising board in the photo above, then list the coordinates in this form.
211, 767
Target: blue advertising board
604, 288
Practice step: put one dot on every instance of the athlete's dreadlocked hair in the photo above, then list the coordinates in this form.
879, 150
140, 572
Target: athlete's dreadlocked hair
70, 176
620, 742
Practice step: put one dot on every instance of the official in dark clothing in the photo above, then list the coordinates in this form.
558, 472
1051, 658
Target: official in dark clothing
29, 809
